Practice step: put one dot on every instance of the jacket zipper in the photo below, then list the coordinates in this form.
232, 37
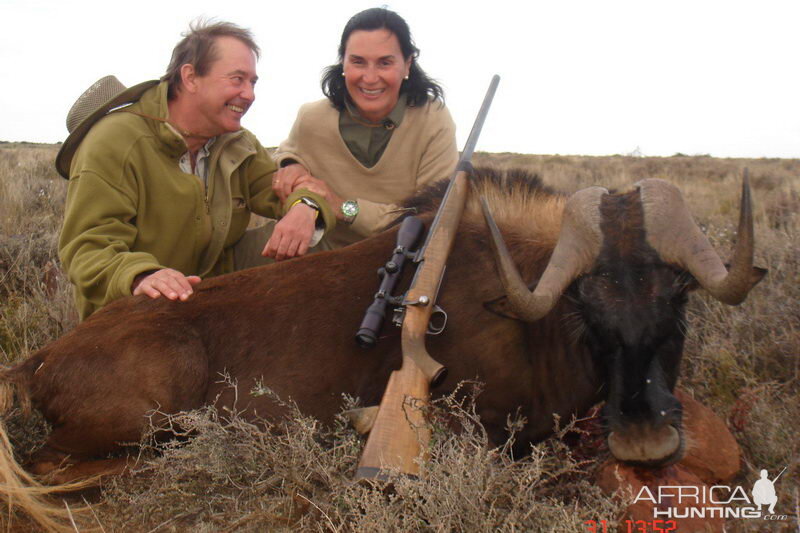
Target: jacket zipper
213, 165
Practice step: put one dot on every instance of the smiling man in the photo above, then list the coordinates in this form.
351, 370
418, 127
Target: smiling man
161, 189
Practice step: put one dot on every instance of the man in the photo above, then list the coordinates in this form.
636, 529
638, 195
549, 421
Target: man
160, 191
764, 491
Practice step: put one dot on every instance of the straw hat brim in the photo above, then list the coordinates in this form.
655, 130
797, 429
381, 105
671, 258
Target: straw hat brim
70, 145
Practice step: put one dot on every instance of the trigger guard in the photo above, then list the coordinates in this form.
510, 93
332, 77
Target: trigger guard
437, 322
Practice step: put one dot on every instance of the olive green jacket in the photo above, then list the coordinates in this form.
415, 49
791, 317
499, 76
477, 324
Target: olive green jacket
130, 209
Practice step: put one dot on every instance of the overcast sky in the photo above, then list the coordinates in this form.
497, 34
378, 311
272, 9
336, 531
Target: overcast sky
593, 78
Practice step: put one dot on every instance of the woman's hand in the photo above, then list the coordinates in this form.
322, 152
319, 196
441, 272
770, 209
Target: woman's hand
285, 179
320, 187
295, 176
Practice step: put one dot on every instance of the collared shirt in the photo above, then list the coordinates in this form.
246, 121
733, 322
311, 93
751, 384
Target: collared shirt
201, 171
367, 143
201, 164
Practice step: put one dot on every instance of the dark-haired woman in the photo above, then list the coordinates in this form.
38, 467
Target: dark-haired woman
381, 134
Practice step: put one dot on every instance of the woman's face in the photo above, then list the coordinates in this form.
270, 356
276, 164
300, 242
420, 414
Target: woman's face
374, 68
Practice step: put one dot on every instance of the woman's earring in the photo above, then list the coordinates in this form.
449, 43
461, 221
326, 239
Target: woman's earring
406, 77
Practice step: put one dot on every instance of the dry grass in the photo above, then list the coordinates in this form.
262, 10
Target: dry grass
230, 475
235, 476
35, 299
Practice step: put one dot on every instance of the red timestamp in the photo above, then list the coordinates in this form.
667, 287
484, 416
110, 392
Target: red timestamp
633, 526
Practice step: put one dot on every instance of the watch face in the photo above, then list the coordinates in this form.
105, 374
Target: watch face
350, 208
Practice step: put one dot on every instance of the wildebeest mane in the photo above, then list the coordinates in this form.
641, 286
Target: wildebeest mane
513, 181
518, 198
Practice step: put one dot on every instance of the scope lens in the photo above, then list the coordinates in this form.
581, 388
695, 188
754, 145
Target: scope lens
365, 339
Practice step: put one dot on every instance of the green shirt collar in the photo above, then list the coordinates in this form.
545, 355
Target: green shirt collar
395, 116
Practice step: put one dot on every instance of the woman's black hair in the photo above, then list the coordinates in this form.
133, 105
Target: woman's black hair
417, 88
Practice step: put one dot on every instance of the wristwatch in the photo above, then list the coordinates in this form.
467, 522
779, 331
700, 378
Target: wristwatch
309, 202
350, 211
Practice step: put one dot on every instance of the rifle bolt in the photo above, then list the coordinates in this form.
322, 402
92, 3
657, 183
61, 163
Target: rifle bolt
424, 300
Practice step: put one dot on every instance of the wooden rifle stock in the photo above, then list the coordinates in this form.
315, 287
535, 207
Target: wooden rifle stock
394, 442
398, 439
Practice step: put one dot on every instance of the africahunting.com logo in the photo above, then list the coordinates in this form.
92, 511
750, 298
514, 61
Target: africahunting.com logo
718, 501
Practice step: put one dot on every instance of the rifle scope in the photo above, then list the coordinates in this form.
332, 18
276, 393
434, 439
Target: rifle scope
408, 238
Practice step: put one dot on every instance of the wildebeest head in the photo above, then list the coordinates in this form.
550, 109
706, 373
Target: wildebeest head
627, 262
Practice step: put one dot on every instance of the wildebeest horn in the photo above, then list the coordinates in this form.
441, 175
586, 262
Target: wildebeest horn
575, 252
672, 232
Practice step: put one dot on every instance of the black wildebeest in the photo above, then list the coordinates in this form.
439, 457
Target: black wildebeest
611, 274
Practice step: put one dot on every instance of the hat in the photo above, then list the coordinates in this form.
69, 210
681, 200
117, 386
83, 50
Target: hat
106, 94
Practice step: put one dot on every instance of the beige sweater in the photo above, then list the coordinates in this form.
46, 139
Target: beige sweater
422, 150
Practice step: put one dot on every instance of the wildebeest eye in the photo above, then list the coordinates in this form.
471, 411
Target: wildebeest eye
680, 298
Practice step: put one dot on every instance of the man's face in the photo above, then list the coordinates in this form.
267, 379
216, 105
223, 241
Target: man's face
226, 91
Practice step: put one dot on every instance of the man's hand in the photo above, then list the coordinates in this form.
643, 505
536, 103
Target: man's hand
166, 281
283, 182
292, 233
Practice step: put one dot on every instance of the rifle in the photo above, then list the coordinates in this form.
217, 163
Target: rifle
779, 475
399, 434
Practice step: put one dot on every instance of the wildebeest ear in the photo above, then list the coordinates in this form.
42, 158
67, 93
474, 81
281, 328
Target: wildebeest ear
500, 306
689, 282
757, 275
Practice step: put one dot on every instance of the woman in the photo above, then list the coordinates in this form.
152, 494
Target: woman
382, 133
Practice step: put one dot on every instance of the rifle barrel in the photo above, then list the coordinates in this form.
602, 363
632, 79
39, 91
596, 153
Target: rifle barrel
466, 155
472, 140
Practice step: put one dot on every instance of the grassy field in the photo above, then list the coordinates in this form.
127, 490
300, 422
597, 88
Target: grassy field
742, 362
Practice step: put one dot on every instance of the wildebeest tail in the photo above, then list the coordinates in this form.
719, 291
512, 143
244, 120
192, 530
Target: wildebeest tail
13, 384
19, 491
